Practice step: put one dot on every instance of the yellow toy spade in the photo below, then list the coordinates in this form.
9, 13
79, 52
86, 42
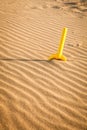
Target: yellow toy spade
59, 55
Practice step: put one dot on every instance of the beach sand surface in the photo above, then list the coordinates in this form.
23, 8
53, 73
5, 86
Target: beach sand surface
37, 94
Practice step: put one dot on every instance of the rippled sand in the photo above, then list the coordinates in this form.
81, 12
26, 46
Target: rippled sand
36, 94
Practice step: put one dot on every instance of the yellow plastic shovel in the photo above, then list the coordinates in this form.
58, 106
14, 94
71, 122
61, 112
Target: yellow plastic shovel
59, 55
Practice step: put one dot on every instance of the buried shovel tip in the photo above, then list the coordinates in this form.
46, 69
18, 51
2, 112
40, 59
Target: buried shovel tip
57, 57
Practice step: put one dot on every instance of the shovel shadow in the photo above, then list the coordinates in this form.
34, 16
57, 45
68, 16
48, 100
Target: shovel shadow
23, 59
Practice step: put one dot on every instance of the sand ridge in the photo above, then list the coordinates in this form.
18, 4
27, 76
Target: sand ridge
36, 94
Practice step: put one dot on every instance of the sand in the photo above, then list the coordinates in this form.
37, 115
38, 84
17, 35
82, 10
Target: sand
36, 94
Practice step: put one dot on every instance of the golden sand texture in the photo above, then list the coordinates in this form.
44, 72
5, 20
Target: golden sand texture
36, 94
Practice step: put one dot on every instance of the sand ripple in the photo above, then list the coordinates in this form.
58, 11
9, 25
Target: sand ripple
36, 94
